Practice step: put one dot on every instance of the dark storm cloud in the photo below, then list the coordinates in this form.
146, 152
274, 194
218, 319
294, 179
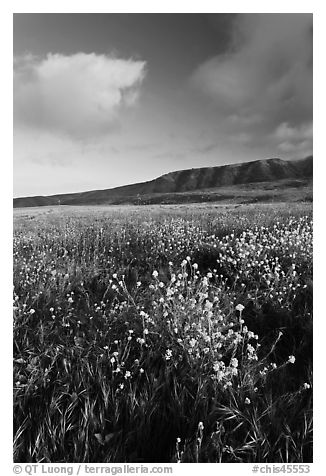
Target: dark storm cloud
263, 83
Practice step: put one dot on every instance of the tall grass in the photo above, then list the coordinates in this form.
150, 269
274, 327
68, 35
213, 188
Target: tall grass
163, 337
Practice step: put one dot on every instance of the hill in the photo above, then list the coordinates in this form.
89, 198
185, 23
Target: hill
201, 184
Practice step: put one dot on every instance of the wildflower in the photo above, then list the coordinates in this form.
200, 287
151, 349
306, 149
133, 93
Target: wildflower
127, 374
239, 307
32, 311
155, 274
247, 401
114, 276
70, 300
291, 359
218, 366
168, 354
192, 342
208, 305
306, 386
141, 370
234, 362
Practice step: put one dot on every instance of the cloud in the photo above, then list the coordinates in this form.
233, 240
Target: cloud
79, 95
263, 83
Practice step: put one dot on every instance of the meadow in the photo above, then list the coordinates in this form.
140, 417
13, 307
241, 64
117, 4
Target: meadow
163, 333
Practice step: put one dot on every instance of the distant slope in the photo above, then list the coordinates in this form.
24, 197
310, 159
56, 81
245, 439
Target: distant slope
185, 181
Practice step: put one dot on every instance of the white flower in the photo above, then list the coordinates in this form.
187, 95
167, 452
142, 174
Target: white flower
306, 386
127, 374
234, 362
155, 273
239, 307
32, 311
192, 342
247, 401
291, 359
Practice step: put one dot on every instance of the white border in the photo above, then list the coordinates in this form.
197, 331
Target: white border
168, 6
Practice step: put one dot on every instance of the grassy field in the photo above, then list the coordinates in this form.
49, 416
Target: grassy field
163, 333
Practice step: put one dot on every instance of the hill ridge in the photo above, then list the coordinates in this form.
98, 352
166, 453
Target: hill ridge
184, 181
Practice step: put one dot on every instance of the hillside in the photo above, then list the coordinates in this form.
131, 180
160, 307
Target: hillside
206, 183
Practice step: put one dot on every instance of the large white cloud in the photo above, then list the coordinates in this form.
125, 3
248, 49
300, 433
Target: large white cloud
264, 80
79, 95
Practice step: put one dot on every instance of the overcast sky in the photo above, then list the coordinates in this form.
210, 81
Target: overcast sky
102, 100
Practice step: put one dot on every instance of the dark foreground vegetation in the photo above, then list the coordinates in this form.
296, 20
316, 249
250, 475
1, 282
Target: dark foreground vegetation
159, 335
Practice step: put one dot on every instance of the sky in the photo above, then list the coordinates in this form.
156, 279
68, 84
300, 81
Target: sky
103, 100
